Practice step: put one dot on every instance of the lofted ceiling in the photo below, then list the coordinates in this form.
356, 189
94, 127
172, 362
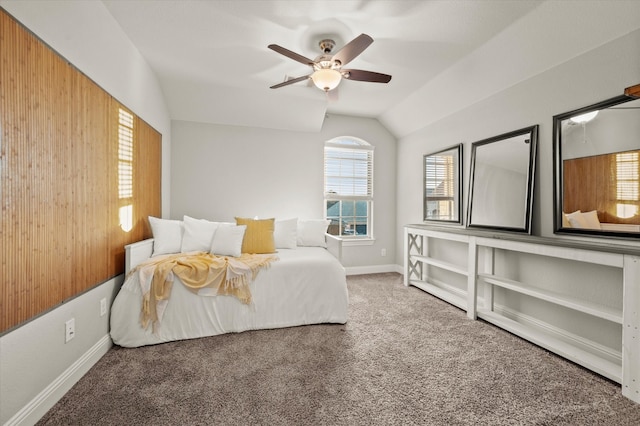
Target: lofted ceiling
213, 64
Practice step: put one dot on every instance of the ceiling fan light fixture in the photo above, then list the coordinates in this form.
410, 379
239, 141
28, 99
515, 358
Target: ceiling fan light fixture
584, 118
326, 79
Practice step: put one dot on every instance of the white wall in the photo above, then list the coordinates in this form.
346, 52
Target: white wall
599, 74
613, 130
36, 366
219, 172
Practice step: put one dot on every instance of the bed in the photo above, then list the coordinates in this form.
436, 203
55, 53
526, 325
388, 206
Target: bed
305, 285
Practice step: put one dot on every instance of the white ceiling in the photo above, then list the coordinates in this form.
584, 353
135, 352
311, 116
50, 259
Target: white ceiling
213, 64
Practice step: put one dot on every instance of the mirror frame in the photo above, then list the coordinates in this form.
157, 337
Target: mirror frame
456, 151
558, 169
532, 131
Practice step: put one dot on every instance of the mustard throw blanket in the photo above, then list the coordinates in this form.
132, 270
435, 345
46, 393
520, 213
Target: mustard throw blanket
202, 273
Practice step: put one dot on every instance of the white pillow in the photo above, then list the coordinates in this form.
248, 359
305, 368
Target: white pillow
591, 219
285, 233
227, 240
565, 221
167, 235
577, 221
575, 215
198, 234
311, 232
587, 220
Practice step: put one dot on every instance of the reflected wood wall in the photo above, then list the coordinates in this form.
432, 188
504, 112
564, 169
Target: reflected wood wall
590, 184
61, 233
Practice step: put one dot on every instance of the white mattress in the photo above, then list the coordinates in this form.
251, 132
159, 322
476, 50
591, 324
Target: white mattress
307, 285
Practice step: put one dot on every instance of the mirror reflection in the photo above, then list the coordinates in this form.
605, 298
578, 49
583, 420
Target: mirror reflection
501, 188
442, 185
597, 154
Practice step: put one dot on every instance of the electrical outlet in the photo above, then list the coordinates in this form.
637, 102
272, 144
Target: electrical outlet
103, 307
383, 252
69, 329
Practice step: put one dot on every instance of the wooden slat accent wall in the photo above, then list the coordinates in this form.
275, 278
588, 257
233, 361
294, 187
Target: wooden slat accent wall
61, 231
590, 184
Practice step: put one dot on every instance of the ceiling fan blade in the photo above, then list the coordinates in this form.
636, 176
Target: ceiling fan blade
289, 54
360, 75
352, 49
290, 81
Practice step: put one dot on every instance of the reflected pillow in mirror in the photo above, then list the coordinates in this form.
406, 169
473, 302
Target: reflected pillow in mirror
591, 220
588, 220
569, 216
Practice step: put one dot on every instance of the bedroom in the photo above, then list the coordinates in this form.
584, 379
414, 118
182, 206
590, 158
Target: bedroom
605, 61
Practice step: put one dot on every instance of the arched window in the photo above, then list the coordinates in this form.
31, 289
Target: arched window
348, 187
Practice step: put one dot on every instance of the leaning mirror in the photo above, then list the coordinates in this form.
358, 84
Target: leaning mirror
597, 169
501, 184
442, 185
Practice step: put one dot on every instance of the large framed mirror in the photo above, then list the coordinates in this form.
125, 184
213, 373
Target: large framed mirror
443, 185
501, 183
597, 168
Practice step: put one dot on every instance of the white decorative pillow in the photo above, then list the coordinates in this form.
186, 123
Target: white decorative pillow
587, 220
577, 221
311, 232
576, 213
575, 216
565, 221
167, 235
591, 220
227, 240
198, 234
285, 233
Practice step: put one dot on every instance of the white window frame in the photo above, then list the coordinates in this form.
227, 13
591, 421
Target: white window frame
345, 191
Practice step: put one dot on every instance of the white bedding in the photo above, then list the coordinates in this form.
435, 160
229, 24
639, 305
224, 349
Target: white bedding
307, 285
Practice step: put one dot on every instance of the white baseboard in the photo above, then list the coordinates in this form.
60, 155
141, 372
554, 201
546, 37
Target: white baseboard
38, 406
374, 269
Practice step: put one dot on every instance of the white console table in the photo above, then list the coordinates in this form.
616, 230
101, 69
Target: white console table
475, 267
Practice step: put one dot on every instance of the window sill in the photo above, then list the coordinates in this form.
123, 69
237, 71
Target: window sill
346, 242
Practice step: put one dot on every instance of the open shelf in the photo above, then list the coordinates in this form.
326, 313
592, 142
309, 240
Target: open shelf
593, 362
443, 291
590, 308
440, 264
619, 364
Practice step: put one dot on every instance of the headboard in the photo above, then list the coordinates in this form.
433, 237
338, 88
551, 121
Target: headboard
136, 253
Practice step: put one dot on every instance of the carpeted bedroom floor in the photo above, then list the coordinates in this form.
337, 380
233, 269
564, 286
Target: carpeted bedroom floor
403, 358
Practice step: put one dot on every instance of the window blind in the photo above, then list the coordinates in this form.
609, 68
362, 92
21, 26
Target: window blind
125, 154
627, 176
348, 172
440, 177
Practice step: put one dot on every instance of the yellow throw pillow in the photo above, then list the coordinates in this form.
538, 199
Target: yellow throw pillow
258, 238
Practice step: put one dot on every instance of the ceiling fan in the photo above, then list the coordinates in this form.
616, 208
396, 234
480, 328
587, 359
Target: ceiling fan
327, 68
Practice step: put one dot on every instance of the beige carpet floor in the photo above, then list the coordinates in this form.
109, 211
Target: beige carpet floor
403, 358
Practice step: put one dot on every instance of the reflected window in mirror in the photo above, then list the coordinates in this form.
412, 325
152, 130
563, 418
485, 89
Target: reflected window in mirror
597, 169
442, 185
501, 183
